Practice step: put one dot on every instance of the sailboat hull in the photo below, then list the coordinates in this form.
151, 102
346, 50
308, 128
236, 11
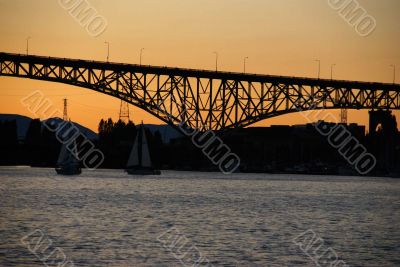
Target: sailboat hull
68, 171
133, 171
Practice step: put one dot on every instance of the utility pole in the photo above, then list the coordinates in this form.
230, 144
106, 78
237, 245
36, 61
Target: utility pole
394, 73
141, 53
27, 45
244, 64
65, 114
333, 65
108, 50
343, 116
216, 60
319, 68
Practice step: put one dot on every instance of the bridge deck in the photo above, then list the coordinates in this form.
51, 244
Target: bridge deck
208, 74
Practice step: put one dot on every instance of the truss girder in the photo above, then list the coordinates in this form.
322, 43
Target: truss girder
204, 99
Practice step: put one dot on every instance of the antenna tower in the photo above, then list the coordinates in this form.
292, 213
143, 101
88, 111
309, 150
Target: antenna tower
124, 111
343, 116
65, 115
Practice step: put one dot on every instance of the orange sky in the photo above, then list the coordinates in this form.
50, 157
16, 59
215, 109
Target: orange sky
281, 37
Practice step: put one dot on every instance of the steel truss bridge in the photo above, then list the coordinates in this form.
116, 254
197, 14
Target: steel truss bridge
201, 99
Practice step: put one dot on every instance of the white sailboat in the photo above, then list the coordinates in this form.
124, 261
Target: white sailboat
67, 163
139, 161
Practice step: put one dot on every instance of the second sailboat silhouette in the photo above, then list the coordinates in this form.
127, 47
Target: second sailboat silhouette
67, 163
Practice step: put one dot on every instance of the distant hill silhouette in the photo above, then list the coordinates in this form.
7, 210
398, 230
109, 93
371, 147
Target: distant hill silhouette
167, 132
23, 125
87, 132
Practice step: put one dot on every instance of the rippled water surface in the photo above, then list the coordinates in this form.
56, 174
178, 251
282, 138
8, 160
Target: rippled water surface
107, 218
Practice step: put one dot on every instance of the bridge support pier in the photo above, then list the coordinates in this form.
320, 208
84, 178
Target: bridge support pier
383, 135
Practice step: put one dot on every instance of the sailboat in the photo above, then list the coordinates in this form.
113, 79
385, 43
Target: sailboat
67, 163
139, 161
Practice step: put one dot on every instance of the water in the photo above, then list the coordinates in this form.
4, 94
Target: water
107, 218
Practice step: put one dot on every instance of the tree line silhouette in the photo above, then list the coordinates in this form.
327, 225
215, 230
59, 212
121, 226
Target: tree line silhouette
279, 149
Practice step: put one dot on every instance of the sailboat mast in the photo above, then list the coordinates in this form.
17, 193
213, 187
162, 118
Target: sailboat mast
140, 147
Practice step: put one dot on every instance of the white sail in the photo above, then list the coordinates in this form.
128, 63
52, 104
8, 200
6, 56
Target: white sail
68, 155
134, 156
68, 160
63, 156
74, 154
146, 161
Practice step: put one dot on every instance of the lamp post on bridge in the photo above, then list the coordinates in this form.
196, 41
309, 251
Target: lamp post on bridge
27, 45
244, 64
108, 50
319, 67
394, 73
140, 57
216, 60
333, 65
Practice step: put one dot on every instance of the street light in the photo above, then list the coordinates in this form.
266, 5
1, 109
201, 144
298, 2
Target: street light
27, 45
333, 65
244, 64
141, 52
108, 50
216, 60
319, 67
394, 73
